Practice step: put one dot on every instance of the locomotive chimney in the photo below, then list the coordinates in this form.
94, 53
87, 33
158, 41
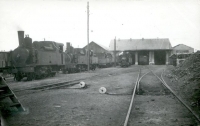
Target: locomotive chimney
21, 37
68, 47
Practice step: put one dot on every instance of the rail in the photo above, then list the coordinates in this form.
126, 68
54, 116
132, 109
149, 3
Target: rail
165, 84
136, 87
133, 95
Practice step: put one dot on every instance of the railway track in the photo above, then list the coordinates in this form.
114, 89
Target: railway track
163, 90
70, 83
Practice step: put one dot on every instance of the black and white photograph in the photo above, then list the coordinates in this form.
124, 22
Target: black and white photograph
99, 62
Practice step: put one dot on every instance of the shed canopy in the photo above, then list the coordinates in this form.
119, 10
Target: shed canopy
141, 44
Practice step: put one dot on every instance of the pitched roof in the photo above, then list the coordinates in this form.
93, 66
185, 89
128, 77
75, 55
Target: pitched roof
106, 48
102, 46
182, 45
141, 44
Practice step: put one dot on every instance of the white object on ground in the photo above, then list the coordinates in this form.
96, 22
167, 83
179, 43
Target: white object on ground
102, 90
82, 84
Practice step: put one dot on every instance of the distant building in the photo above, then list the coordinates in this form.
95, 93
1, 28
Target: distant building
145, 51
181, 48
97, 48
179, 53
102, 52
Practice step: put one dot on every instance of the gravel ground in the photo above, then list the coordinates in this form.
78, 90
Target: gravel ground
77, 107
87, 107
156, 106
181, 89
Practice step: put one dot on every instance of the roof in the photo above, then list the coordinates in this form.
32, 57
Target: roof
106, 48
102, 46
141, 44
182, 46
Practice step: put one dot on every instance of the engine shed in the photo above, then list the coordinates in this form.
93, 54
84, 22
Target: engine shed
145, 51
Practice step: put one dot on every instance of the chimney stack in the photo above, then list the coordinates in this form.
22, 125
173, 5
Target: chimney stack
68, 47
21, 37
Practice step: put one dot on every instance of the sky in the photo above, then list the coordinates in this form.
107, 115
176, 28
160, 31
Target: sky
66, 21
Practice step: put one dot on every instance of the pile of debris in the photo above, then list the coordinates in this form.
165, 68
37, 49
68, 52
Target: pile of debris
189, 73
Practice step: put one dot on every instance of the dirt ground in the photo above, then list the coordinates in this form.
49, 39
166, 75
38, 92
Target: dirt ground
156, 106
87, 107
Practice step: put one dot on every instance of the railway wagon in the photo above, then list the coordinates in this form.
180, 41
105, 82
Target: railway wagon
37, 59
102, 60
94, 61
81, 58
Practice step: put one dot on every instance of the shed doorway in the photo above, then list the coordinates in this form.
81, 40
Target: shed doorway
160, 57
143, 58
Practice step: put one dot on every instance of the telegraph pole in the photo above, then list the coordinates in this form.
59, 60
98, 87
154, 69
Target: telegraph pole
115, 50
88, 36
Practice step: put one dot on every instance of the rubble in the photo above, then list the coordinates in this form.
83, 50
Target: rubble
189, 73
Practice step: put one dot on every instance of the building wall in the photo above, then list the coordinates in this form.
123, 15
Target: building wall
181, 48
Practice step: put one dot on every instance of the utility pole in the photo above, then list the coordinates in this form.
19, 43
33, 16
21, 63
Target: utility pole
115, 50
88, 36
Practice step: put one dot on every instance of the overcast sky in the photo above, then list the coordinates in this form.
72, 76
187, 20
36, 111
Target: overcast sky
66, 21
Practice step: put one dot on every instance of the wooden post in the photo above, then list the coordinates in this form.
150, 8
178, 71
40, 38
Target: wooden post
88, 36
115, 50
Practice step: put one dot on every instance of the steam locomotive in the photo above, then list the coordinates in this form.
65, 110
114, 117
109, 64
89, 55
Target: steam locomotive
36, 59
40, 59
76, 59
125, 59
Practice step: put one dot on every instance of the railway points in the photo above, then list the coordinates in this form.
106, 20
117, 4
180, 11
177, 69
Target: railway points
152, 92
115, 100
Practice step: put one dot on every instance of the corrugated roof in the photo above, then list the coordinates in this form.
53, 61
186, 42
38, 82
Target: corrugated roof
141, 44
